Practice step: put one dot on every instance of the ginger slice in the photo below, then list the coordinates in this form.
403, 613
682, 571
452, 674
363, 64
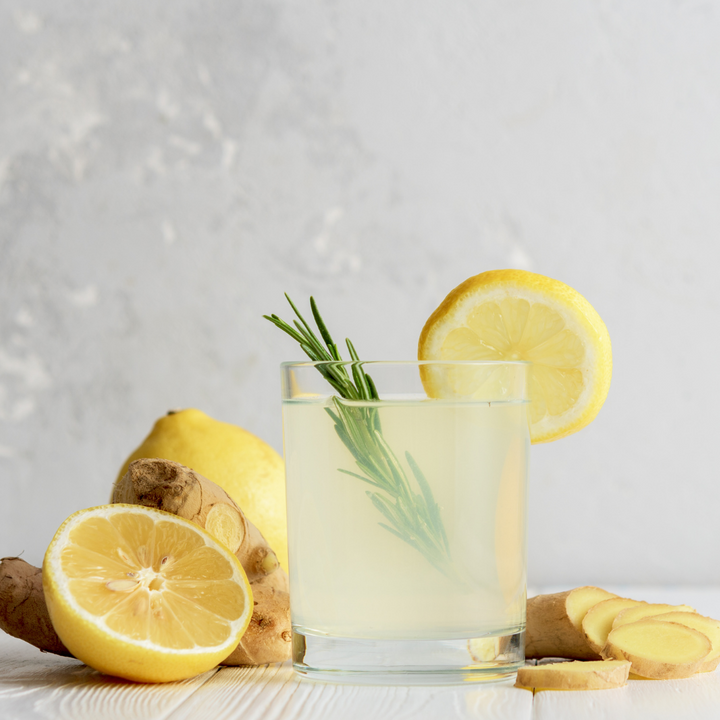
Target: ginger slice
598, 621
554, 623
647, 610
657, 649
592, 675
707, 626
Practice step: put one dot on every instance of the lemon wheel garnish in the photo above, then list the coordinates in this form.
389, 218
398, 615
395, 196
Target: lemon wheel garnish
504, 315
144, 595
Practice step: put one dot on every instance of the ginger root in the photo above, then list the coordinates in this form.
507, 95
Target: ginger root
554, 624
23, 612
660, 641
268, 637
658, 649
589, 675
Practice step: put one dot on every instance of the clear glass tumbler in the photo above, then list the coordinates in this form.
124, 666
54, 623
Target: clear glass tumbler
407, 521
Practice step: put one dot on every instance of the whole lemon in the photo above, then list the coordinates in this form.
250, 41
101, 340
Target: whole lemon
247, 468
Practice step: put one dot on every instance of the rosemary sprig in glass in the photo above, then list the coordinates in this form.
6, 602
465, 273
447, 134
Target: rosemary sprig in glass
412, 516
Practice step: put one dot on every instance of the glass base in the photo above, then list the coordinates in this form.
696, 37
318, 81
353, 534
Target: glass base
490, 658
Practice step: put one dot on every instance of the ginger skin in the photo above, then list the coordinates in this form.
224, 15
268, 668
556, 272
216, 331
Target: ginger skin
554, 624
268, 637
23, 612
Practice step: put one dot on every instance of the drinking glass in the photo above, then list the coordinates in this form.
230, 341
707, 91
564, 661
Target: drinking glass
407, 521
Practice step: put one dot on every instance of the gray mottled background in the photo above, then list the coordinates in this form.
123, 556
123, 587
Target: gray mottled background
167, 170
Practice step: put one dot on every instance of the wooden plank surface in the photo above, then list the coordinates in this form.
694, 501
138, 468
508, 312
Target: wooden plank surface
38, 685
695, 698
274, 693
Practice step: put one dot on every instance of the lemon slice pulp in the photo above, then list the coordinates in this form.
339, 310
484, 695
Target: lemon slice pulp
145, 595
510, 315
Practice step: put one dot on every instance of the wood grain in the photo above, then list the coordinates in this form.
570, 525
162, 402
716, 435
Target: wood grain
38, 685
274, 693
695, 698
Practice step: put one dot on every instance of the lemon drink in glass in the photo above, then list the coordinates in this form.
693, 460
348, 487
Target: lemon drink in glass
406, 482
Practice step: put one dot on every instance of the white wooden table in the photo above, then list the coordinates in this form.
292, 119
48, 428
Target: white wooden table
38, 685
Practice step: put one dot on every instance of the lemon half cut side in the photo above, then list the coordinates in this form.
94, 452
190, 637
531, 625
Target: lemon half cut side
144, 595
510, 315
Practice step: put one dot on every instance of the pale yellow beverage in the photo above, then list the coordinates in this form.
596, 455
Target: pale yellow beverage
352, 577
406, 481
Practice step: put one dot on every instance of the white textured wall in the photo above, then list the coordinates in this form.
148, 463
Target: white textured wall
167, 170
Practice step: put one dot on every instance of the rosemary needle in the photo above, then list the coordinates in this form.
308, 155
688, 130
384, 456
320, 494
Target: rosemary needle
409, 509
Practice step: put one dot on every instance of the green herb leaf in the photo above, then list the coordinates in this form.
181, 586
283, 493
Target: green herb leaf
412, 517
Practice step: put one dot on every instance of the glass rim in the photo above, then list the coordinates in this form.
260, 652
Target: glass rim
464, 363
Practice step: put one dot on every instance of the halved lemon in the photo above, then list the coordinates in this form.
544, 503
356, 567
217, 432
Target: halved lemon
143, 594
504, 315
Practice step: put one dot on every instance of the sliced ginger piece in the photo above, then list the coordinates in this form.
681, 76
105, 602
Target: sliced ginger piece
592, 675
707, 626
657, 649
647, 610
598, 620
581, 599
554, 623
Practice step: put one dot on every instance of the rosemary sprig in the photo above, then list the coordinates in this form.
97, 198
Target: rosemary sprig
412, 516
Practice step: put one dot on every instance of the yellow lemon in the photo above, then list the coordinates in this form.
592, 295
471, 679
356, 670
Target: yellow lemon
247, 468
518, 315
143, 594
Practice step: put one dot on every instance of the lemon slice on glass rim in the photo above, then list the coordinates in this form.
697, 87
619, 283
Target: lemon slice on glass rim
505, 315
143, 594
